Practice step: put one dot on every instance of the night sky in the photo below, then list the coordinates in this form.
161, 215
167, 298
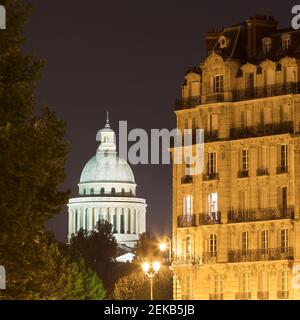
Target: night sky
129, 57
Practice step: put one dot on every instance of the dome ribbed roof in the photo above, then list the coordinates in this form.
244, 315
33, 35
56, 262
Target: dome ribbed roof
107, 167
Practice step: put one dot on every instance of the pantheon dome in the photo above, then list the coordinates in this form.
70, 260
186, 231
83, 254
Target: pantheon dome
107, 190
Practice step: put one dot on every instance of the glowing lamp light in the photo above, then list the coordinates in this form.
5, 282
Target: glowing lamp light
146, 267
163, 246
156, 266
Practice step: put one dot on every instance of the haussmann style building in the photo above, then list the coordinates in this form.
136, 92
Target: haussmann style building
236, 227
107, 190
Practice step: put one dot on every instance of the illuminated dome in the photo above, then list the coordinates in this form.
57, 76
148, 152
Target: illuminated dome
107, 167
107, 191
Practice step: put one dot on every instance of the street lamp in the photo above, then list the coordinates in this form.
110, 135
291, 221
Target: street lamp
150, 269
166, 243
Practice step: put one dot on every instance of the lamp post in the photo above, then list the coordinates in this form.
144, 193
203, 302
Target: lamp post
150, 269
166, 244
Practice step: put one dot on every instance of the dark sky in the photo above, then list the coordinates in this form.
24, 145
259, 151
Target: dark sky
128, 56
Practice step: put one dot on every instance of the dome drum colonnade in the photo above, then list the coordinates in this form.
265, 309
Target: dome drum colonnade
107, 191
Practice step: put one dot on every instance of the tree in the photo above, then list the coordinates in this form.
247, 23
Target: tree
136, 286
147, 248
32, 166
98, 249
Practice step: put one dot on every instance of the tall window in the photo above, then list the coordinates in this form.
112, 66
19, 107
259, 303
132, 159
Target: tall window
245, 159
218, 285
212, 162
263, 282
284, 157
218, 84
212, 202
283, 199
267, 42
213, 245
188, 286
284, 281
245, 283
265, 241
245, 242
284, 240
188, 205
212, 123
188, 247
250, 82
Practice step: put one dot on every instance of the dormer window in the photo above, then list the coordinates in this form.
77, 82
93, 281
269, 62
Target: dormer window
267, 43
285, 41
223, 42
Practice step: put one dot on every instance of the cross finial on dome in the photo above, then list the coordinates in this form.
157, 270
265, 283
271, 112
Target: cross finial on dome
107, 120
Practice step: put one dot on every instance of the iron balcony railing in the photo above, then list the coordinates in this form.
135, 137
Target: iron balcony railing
282, 294
262, 172
216, 296
243, 173
263, 295
239, 95
261, 254
264, 129
282, 169
193, 220
211, 176
260, 214
186, 220
186, 179
243, 295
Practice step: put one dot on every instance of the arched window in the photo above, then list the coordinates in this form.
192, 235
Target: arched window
102, 191
113, 190
92, 191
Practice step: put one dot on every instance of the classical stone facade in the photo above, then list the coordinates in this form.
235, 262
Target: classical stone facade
236, 228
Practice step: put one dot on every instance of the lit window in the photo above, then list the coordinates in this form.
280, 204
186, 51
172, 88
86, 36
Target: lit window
245, 283
284, 281
188, 205
245, 242
284, 239
218, 84
212, 162
284, 156
265, 241
267, 43
213, 245
212, 202
245, 159
263, 282
218, 285
286, 41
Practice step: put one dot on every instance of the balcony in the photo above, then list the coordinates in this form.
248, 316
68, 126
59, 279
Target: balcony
187, 220
211, 135
210, 176
261, 255
282, 169
216, 296
194, 220
210, 218
243, 174
243, 295
282, 294
260, 214
263, 295
262, 172
186, 179
239, 95
261, 130
209, 257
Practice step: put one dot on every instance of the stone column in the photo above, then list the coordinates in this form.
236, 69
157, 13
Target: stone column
119, 214
142, 220
126, 225
79, 219
70, 222
132, 220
